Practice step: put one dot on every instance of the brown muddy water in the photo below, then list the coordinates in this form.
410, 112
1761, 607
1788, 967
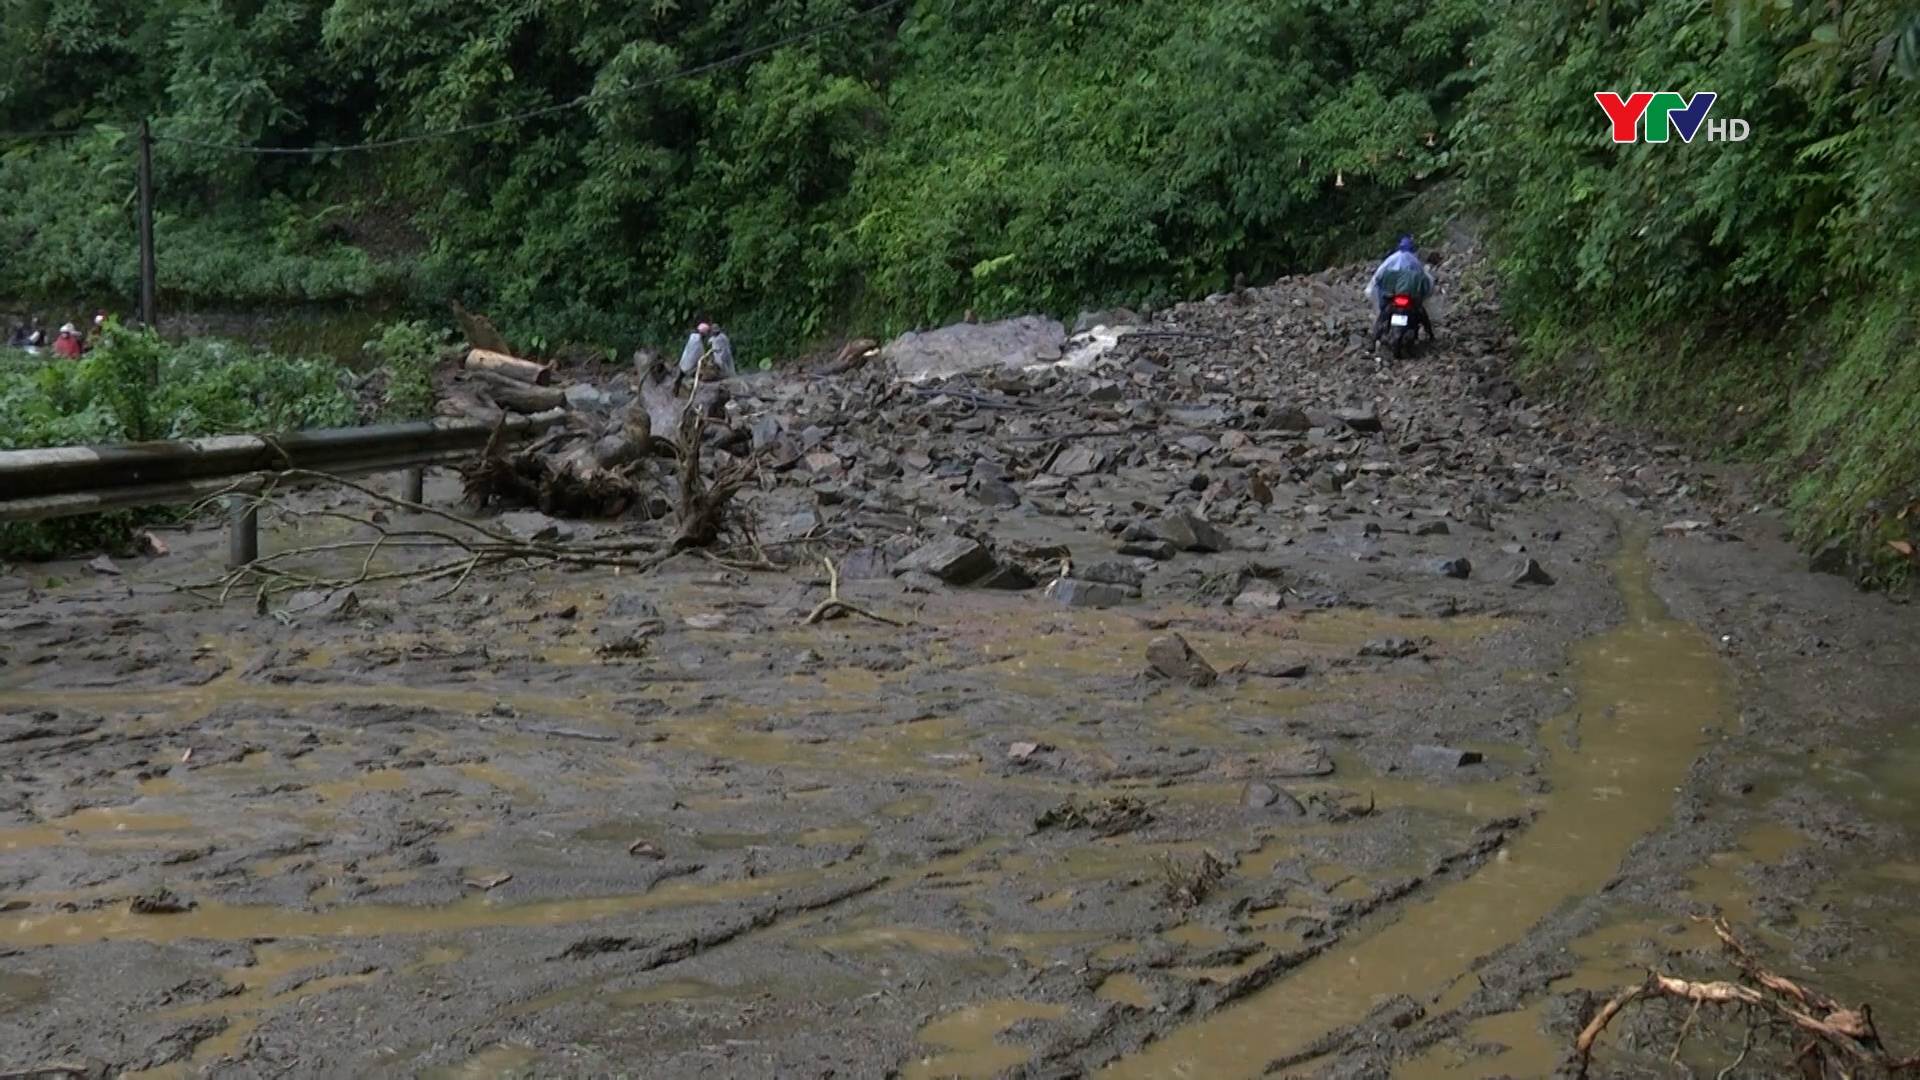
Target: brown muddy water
1647, 692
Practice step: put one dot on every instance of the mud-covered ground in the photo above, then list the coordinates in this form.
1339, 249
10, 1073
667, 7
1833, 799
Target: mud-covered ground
576, 822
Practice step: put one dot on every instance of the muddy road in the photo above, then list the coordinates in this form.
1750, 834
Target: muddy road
1386, 721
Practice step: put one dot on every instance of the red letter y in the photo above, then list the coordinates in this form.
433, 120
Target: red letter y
1624, 114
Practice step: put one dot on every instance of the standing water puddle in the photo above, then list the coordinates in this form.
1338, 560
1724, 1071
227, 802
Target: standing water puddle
1647, 691
972, 1034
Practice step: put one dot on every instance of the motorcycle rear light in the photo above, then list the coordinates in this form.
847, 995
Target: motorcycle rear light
1403, 301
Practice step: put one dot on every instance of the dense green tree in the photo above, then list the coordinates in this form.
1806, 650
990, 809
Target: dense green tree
895, 166
1756, 295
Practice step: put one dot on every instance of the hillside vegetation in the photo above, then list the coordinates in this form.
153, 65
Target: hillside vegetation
829, 165
1757, 297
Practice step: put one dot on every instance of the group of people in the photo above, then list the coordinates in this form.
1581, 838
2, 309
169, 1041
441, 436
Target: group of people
708, 355
69, 342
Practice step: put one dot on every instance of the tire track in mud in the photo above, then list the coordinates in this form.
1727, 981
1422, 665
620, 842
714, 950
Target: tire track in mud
1648, 691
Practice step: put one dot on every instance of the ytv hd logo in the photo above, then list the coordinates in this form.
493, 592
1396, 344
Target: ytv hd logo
1667, 110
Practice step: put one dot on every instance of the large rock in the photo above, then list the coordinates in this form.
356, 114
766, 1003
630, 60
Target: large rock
1078, 461
967, 347
1532, 573
1260, 795
1110, 572
955, 560
1189, 533
1444, 757
1171, 657
322, 604
1080, 593
1364, 421
1260, 596
1158, 550
534, 527
1288, 418
1091, 320
1009, 576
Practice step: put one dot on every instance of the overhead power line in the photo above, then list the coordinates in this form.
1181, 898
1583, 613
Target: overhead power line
549, 110
27, 136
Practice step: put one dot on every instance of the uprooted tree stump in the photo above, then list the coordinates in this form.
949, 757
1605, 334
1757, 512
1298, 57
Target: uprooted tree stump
601, 466
702, 506
577, 471
1822, 1038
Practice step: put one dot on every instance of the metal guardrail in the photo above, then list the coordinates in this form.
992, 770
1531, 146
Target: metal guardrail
67, 481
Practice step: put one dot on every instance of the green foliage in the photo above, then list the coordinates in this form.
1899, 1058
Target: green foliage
994, 154
1055, 155
407, 351
1748, 295
133, 386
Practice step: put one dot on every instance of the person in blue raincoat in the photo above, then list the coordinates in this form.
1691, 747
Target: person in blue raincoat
1401, 274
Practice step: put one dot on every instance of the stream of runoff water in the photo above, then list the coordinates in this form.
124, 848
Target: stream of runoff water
1648, 690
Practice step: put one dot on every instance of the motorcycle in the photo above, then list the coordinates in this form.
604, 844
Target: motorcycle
1402, 334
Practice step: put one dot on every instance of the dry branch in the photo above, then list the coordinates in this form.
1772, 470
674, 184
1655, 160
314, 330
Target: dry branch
467, 548
1832, 1039
833, 607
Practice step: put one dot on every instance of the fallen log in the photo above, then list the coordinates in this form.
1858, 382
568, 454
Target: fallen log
520, 397
854, 355
513, 367
465, 404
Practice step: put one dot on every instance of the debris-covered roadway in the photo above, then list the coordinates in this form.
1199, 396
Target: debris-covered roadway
1172, 699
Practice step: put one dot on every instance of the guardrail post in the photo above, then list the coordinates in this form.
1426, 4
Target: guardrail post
416, 486
243, 531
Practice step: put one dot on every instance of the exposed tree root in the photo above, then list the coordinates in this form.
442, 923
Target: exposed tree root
702, 509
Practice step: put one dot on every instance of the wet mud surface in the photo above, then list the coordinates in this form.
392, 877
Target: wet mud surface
588, 824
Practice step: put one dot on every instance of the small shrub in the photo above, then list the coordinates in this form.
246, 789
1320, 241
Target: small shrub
407, 351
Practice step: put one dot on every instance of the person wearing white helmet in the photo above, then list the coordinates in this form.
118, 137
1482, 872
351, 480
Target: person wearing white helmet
67, 345
696, 348
708, 342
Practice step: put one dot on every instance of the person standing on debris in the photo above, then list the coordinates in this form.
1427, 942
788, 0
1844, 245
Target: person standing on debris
723, 352
708, 352
1401, 274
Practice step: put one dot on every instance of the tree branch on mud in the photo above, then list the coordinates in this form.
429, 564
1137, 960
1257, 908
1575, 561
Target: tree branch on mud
475, 548
1827, 1038
833, 607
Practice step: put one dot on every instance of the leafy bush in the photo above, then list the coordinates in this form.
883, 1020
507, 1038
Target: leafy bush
407, 351
133, 386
